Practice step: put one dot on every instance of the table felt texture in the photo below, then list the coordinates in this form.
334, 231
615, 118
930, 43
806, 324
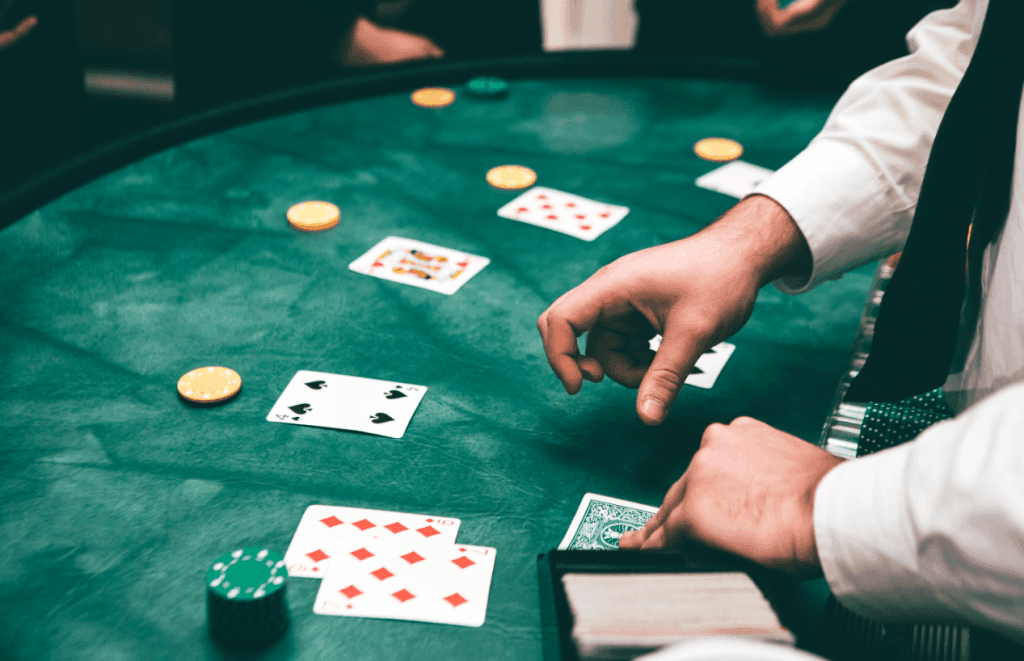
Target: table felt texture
116, 495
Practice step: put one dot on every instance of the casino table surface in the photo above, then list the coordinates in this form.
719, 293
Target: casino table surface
117, 495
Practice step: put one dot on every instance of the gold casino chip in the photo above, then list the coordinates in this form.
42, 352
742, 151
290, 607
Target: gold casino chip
511, 177
718, 149
313, 216
433, 97
209, 385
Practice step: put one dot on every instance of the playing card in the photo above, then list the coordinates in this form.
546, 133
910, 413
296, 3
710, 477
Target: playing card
708, 366
736, 178
322, 526
600, 521
371, 406
563, 212
405, 580
419, 264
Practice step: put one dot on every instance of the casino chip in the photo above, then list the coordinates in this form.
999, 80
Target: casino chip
314, 216
433, 97
718, 149
511, 177
245, 598
487, 87
209, 385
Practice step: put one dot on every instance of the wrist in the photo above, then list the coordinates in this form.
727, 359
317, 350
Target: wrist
766, 240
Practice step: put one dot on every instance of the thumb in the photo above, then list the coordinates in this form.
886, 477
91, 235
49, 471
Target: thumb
672, 363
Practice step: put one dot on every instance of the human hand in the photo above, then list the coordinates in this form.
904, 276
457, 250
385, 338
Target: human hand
10, 37
749, 490
371, 44
800, 16
695, 292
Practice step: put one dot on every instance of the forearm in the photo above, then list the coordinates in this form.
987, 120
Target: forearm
933, 528
761, 237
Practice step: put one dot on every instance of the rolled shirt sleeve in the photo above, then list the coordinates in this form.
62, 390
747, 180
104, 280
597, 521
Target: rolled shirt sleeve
853, 190
934, 528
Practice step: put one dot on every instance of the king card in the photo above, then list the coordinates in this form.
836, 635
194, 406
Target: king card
336, 401
419, 264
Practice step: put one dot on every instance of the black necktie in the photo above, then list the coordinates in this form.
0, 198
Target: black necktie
968, 177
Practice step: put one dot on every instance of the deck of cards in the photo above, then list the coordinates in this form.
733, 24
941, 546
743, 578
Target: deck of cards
391, 565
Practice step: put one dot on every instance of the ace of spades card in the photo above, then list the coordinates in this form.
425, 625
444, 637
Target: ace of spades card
336, 401
564, 212
407, 580
419, 264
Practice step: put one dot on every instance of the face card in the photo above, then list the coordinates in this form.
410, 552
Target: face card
419, 264
736, 178
322, 526
336, 401
564, 212
401, 580
600, 521
708, 366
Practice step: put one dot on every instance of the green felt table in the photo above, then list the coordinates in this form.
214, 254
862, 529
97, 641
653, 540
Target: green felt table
116, 496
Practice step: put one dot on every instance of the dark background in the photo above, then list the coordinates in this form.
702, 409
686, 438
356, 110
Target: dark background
218, 51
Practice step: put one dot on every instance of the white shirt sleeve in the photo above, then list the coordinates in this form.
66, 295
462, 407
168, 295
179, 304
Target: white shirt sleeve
853, 190
933, 528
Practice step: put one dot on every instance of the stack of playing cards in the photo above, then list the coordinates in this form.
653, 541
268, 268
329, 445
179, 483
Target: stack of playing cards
620, 616
391, 565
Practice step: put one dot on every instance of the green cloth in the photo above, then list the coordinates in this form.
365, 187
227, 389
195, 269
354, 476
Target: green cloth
117, 496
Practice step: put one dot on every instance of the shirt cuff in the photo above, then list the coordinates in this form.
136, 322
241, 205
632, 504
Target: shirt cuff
865, 540
844, 206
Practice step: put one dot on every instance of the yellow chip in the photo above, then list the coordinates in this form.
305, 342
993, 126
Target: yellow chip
433, 97
314, 216
511, 177
718, 149
208, 385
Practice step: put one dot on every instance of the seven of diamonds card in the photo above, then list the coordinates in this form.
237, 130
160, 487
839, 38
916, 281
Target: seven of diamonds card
564, 212
337, 401
407, 580
419, 264
600, 521
322, 526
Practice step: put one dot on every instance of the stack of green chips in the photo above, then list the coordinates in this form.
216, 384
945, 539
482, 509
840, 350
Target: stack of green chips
245, 598
487, 87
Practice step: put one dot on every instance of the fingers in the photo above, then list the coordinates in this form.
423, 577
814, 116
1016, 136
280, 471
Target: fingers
625, 359
672, 363
638, 539
10, 37
569, 317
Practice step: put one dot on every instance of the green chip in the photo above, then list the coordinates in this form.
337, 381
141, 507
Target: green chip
246, 574
487, 86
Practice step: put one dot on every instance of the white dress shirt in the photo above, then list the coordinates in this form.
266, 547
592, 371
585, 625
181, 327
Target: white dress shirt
933, 528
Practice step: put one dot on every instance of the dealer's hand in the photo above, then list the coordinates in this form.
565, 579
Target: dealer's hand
749, 490
695, 292
370, 44
14, 35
